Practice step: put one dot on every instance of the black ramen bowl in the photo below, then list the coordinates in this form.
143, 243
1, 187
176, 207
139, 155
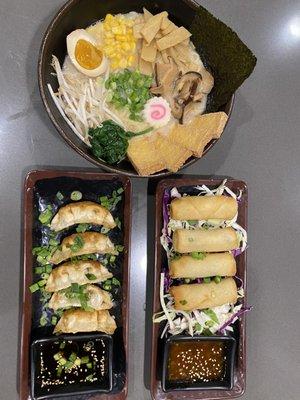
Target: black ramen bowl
76, 14
225, 382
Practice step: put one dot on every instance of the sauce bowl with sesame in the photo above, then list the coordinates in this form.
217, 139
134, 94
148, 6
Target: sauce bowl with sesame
195, 363
71, 365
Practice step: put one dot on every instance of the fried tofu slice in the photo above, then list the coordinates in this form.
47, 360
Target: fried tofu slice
145, 67
137, 30
152, 26
147, 14
144, 156
177, 36
172, 153
149, 51
197, 134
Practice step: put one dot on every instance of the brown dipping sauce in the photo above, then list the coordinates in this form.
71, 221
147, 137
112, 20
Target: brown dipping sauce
194, 361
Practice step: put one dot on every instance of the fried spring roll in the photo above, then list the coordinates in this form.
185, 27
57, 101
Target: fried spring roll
212, 240
83, 212
79, 272
203, 208
83, 243
221, 264
199, 296
73, 321
97, 298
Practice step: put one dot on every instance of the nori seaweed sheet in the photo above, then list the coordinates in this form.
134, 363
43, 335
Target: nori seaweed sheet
45, 194
224, 54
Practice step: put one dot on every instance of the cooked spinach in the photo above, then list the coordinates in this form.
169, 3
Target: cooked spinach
110, 141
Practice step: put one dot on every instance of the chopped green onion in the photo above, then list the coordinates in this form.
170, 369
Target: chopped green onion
107, 287
62, 361
91, 277
53, 320
34, 288
46, 216
82, 228
116, 282
85, 359
77, 361
59, 371
89, 377
209, 323
77, 243
39, 270
68, 365
197, 326
44, 275
43, 321
59, 196
198, 255
89, 365
75, 287
212, 315
120, 190
57, 356
112, 259
217, 279
206, 280
183, 302
76, 195
48, 268
62, 345
42, 282
73, 357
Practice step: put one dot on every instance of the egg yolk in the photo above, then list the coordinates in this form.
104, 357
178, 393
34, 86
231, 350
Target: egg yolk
87, 55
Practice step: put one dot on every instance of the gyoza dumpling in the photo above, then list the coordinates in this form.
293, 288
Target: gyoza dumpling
84, 212
73, 321
81, 272
83, 243
92, 295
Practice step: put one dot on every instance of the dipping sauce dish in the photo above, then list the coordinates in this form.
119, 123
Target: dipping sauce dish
199, 362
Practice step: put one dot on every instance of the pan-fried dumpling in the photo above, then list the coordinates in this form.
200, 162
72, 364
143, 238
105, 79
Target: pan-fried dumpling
73, 321
84, 212
94, 297
83, 243
81, 272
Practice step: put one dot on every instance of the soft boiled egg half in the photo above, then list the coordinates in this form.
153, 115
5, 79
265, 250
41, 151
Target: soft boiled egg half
84, 53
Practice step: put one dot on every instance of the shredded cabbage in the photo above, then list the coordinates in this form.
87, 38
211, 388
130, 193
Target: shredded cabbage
197, 321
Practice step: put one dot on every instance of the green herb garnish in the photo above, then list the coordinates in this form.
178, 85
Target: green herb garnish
76, 195
131, 90
197, 326
217, 279
207, 280
183, 302
78, 243
46, 216
198, 255
82, 228
91, 277
59, 196
212, 315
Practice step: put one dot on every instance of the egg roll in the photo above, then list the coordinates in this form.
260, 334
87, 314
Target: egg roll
221, 264
203, 208
79, 272
210, 240
198, 296
73, 321
83, 243
97, 298
83, 212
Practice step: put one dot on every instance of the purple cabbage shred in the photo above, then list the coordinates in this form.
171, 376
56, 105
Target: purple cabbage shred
233, 317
